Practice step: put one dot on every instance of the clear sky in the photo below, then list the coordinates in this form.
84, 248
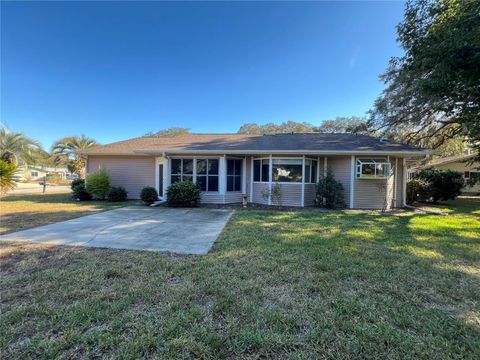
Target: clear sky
115, 70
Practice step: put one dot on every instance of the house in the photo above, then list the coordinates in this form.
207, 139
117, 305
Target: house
35, 173
372, 171
461, 163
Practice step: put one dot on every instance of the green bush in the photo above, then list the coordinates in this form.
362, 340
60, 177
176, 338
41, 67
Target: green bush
330, 193
116, 194
80, 193
417, 190
77, 182
441, 185
98, 184
149, 195
183, 194
8, 179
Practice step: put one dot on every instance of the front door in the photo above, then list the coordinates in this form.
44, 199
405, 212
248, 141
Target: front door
160, 180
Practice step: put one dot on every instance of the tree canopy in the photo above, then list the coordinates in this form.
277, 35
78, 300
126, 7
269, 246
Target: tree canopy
170, 132
433, 90
19, 149
68, 150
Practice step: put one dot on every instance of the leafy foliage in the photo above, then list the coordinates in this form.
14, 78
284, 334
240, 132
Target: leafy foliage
183, 194
8, 179
433, 91
98, 184
69, 150
76, 182
19, 149
275, 194
435, 185
149, 195
271, 128
116, 194
170, 132
79, 192
353, 125
330, 193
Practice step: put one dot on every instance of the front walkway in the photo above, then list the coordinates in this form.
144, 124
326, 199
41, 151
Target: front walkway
183, 231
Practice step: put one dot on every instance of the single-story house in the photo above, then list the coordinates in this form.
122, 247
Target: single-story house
226, 166
460, 163
35, 173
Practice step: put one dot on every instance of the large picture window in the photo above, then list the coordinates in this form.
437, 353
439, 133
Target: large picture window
234, 174
181, 170
287, 170
373, 168
261, 170
207, 174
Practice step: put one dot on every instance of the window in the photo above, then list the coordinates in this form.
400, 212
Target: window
261, 170
207, 174
287, 170
181, 170
373, 168
466, 175
311, 171
34, 173
234, 175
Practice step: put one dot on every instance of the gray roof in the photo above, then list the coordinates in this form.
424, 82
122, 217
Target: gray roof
313, 143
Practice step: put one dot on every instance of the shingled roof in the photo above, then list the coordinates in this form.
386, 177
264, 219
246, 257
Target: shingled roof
313, 143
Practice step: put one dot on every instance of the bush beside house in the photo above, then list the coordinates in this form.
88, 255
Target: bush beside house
98, 184
434, 185
183, 194
116, 194
330, 192
149, 195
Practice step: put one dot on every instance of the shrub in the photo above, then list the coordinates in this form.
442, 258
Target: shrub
54, 178
417, 190
116, 194
149, 195
80, 193
98, 184
184, 194
8, 178
330, 192
77, 182
441, 185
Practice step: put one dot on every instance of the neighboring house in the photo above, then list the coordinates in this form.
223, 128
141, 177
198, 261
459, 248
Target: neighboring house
461, 163
372, 171
34, 173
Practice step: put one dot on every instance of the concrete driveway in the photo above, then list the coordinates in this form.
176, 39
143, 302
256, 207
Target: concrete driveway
183, 231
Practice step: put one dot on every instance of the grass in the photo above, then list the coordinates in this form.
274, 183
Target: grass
301, 285
20, 212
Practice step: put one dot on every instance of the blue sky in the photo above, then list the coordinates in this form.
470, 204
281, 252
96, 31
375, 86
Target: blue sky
115, 70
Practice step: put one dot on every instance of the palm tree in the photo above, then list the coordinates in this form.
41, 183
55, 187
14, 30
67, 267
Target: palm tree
70, 150
19, 149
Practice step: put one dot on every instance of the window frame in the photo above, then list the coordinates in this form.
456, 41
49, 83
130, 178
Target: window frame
375, 161
207, 174
234, 176
194, 173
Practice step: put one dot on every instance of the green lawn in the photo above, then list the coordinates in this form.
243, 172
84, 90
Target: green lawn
301, 285
20, 212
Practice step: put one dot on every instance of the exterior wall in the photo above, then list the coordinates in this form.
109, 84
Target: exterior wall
310, 194
212, 198
131, 172
257, 189
291, 194
341, 167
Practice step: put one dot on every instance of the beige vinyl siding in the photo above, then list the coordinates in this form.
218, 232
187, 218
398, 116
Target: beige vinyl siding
291, 194
310, 194
233, 197
211, 198
257, 193
341, 165
131, 172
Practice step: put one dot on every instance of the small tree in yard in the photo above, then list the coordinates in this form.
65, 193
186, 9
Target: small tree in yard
98, 184
330, 192
183, 194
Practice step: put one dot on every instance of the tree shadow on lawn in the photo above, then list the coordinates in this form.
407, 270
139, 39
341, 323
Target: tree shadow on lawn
276, 284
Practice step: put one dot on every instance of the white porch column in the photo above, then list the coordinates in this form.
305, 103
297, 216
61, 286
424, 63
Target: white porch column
387, 187
352, 180
222, 175
158, 161
395, 174
302, 198
270, 169
244, 175
251, 178
404, 182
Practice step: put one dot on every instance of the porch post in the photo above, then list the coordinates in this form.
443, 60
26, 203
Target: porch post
387, 189
395, 174
270, 168
222, 176
251, 179
352, 180
404, 182
244, 175
302, 199
166, 175
158, 161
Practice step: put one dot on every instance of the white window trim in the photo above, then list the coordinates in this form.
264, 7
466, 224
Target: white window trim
242, 176
194, 175
374, 177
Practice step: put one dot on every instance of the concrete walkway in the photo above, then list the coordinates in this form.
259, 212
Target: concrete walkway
183, 231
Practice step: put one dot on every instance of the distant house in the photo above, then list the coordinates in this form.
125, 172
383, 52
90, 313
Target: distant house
228, 167
35, 173
461, 163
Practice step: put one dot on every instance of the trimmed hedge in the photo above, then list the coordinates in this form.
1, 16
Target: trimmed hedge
80, 193
116, 194
183, 194
149, 195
